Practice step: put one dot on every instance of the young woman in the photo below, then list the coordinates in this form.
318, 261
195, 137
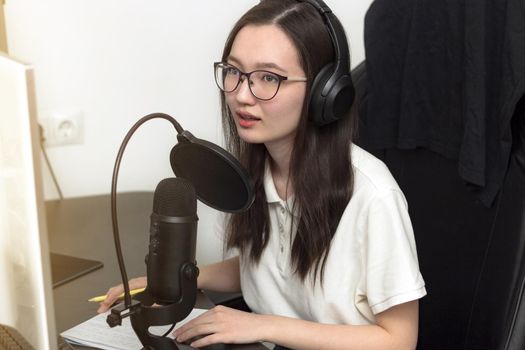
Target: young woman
327, 258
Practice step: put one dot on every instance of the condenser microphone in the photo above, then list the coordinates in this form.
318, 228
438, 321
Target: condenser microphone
173, 238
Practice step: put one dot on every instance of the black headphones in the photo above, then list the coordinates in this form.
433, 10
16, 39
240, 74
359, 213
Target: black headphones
332, 92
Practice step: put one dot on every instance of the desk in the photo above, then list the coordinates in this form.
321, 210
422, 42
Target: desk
82, 227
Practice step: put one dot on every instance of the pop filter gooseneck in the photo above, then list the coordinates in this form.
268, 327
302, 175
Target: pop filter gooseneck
220, 182
114, 220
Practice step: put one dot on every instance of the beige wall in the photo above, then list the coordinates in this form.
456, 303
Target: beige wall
3, 41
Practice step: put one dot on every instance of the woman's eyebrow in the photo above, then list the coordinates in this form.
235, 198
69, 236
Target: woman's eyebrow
259, 65
270, 65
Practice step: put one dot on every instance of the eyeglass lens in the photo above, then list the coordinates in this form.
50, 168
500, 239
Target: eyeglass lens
263, 84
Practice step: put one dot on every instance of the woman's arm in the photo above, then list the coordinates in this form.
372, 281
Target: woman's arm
223, 276
396, 329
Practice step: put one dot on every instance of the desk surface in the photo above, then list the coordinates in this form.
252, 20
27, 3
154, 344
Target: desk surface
81, 227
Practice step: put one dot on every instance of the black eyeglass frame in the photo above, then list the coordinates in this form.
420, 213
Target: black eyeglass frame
280, 77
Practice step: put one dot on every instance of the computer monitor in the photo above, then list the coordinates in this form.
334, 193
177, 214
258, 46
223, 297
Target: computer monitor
26, 300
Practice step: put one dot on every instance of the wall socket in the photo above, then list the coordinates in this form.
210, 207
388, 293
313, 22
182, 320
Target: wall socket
63, 128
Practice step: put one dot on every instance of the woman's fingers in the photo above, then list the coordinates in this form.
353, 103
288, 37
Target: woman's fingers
111, 296
220, 325
113, 293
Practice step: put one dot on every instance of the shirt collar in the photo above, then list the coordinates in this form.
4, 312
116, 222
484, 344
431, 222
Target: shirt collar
271, 192
269, 186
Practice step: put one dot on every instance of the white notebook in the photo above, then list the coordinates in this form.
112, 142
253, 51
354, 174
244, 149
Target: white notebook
96, 333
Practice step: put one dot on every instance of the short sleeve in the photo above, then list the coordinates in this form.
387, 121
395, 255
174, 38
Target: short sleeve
391, 265
219, 226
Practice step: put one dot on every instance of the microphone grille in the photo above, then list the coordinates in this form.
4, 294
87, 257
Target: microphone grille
175, 197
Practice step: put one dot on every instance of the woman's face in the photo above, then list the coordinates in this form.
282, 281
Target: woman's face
273, 122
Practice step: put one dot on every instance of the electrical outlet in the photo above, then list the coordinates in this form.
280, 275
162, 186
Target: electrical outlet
63, 128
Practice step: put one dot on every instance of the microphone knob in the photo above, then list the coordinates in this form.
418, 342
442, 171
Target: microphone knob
154, 238
191, 271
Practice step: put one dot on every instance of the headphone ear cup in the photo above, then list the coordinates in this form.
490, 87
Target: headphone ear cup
317, 100
338, 100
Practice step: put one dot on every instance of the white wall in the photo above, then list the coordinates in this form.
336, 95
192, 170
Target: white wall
116, 61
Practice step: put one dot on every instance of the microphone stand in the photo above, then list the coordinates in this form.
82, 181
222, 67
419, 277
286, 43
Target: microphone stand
145, 314
153, 315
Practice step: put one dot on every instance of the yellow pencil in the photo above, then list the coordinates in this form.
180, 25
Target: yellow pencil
103, 297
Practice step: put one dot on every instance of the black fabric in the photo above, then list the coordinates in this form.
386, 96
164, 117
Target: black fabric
497, 320
452, 232
447, 75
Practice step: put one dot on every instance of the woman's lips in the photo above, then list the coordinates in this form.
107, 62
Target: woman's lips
247, 120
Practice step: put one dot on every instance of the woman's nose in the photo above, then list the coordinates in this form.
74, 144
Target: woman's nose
244, 94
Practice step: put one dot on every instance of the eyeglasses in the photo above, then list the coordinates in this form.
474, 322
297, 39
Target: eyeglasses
263, 84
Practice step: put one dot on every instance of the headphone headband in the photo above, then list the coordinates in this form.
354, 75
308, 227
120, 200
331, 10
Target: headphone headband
319, 6
332, 92
335, 29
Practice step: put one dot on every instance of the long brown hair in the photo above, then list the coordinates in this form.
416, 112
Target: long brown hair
320, 166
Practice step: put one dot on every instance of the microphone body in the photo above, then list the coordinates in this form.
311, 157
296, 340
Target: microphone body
173, 239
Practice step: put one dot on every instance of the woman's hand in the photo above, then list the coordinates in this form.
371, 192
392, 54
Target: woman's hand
114, 292
222, 325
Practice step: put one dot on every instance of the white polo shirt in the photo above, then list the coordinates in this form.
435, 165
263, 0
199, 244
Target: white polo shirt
372, 264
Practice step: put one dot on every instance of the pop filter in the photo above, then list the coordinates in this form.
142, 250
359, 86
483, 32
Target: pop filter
219, 179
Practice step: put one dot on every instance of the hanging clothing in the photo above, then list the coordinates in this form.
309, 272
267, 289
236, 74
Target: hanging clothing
446, 75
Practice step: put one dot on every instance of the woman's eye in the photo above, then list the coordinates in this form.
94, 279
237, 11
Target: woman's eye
232, 71
270, 78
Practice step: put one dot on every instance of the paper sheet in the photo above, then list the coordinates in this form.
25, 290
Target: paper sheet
96, 333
